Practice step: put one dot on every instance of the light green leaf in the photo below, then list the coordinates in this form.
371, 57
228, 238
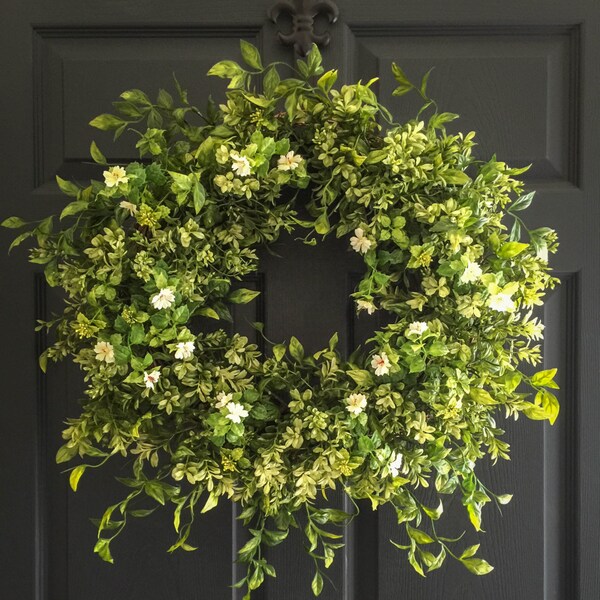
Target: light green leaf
13, 223
511, 249
296, 349
242, 296
211, 502
67, 187
73, 208
545, 378
251, 54
279, 352
482, 396
317, 584
75, 476
477, 566
97, 155
106, 122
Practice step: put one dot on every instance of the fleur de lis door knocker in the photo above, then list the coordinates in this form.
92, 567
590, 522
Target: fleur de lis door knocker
303, 13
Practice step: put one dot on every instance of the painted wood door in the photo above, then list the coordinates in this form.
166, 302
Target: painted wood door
525, 76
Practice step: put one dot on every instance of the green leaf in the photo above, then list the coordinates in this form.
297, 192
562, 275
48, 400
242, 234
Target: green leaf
360, 376
482, 396
137, 334
250, 54
317, 584
181, 314
271, 81
67, 187
477, 565
75, 476
242, 296
279, 351
106, 122
545, 378
102, 550
521, 203
13, 223
155, 490
122, 355
65, 453
401, 77
470, 551
73, 208
504, 498
456, 177
511, 249
322, 224
199, 197
418, 535
226, 69
211, 313
327, 80
97, 155
549, 403
314, 61
296, 349
211, 502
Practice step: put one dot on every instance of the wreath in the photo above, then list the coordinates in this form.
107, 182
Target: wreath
156, 248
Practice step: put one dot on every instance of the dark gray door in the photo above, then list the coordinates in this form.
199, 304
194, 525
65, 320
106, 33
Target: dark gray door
524, 75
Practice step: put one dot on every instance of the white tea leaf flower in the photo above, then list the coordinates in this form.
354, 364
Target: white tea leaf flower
501, 302
289, 161
381, 364
360, 242
129, 206
356, 403
396, 465
114, 176
151, 379
240, 165
105, 352
471, 273
366, 305
184, 350
237, 412
417, 328
164, 299
223, 400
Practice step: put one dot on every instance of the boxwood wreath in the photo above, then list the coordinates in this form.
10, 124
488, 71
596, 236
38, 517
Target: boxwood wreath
204, 416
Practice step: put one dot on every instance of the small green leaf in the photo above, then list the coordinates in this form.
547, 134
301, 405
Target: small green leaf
67, 187
470, 551
511, 249
97, 155
73, 208
250, 54
13, 223
322, 224
482, 396
137, 334
206, 311
360, 376
102, 550
242, 296
296, 349
75, 476
504, 498
106, 122
544, 378
211, 502
279, 351
317, 584
521, 203
477, 565
418, 535
327, 80
456, 177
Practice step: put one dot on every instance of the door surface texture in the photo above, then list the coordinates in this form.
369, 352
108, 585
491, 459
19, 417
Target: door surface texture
524, 75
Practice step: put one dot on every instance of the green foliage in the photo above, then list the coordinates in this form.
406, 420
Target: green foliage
156, 246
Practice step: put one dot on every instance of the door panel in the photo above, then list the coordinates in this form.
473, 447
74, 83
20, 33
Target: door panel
527, 81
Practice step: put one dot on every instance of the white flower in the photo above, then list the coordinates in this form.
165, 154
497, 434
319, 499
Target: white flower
417, 328
150, 379
360, 242
366, 305
236, 412
130, 206
396, 465
381, 364
114, 176
289, 161
184, 350
471, 273
356, 403
223, 400
501, 302
240, 164
105, 352
164, 299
